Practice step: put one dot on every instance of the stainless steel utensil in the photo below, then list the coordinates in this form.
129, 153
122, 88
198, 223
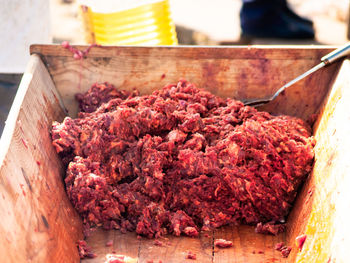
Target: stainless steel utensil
326, 60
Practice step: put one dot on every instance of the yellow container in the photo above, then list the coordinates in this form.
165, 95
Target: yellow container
142, 22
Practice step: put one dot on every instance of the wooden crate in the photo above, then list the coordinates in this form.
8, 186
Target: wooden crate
38, 224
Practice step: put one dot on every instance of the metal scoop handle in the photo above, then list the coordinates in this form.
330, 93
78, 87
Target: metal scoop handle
336, 54
326, 60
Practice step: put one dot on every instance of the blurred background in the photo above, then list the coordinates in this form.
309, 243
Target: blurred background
207, 22
168, 22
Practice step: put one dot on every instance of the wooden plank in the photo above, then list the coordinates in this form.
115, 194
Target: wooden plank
239, 72
122, 244
175, 249
98, 240
126, 244
248, 246
203, 52
38, 223
321, 211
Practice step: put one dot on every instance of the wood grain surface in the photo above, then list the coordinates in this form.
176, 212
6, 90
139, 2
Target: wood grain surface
247, 247
38, 223
238, 72
323, 207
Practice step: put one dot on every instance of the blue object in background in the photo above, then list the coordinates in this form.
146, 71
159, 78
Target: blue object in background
273, 19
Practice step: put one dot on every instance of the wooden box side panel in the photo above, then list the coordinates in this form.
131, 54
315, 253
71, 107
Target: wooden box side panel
238, 72
229, 72
38, 223
323, 207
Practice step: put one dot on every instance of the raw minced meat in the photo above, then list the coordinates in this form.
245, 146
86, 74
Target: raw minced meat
113, 258
179, 160
158, 243
191, 255
109, 243
279, 246
222, 243
270, 228
84, 250
300, 240
285, 250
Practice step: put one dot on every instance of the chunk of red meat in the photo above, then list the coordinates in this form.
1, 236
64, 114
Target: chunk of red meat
271, 228
222, 243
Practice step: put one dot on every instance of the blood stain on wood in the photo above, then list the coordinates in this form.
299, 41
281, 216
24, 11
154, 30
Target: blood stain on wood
45, 221
25, 143
26, 179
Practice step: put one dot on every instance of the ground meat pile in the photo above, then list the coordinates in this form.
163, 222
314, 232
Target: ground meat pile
179, 160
